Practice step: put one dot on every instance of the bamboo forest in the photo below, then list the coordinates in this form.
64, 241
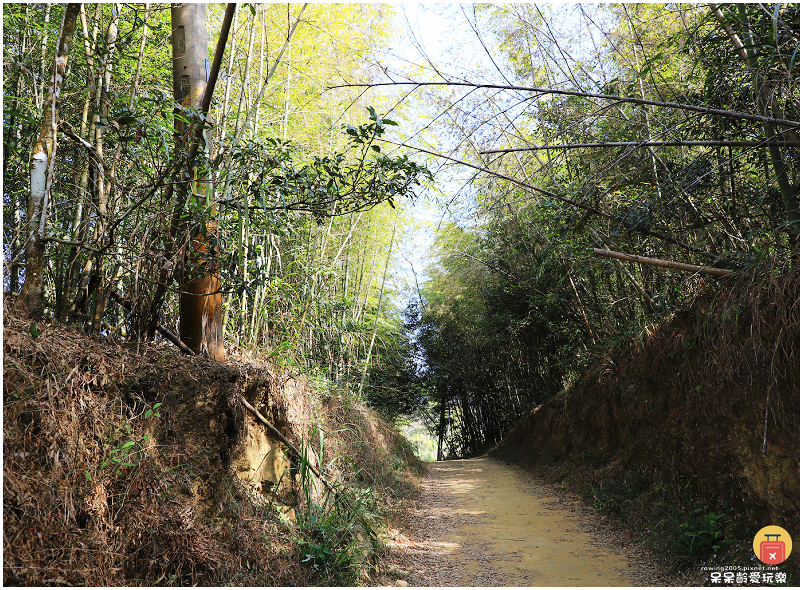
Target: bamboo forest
278, 279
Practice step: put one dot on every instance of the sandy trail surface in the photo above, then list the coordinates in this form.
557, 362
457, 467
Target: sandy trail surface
478, 523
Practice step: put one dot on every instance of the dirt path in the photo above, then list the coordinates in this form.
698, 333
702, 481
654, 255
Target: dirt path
477, 523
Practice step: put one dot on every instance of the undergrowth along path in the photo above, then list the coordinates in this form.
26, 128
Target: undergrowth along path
478, 523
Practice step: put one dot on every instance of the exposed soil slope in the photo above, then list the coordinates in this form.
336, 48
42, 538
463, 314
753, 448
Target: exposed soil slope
707, 405
126, 466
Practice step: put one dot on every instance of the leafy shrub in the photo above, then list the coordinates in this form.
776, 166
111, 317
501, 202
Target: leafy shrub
336, 538
695, 533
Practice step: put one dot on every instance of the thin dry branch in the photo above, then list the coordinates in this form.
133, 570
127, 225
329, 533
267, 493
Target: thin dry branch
676, 143
627, 225
161, 329
292, 449
657, 103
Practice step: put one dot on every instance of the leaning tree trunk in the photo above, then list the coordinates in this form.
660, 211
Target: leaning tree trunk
43, 155
200, 298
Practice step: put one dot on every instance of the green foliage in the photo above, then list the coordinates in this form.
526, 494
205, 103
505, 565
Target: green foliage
269, 178
152, 412
693, 533
336, 536
123, 449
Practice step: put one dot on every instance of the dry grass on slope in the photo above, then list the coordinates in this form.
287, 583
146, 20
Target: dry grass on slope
101, 489
690, 433
118, 464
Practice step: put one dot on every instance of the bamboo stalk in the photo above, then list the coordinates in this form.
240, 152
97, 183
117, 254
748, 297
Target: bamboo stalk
251, 111
161, 329
261, 62
580, 307
653, 157
231, 59
624, 99
378, 311
246, 82
676, 143
622, 222
707, 270
43, 63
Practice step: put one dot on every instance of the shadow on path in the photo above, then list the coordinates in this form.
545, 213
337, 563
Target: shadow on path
476, 524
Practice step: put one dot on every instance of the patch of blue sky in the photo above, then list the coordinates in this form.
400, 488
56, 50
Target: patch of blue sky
567, 43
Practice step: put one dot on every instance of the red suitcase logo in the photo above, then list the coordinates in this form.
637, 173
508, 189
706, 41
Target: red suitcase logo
772, 552
772, 545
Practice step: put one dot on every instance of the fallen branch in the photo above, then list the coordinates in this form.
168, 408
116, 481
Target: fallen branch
705, 270
161, 329
279, 436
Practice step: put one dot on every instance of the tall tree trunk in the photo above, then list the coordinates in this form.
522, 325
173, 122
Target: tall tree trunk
43, 155
72, 278
103, 184
201, 326
442, 428
12, 132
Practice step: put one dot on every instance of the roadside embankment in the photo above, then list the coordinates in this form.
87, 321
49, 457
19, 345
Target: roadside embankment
691, 432
136, 465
